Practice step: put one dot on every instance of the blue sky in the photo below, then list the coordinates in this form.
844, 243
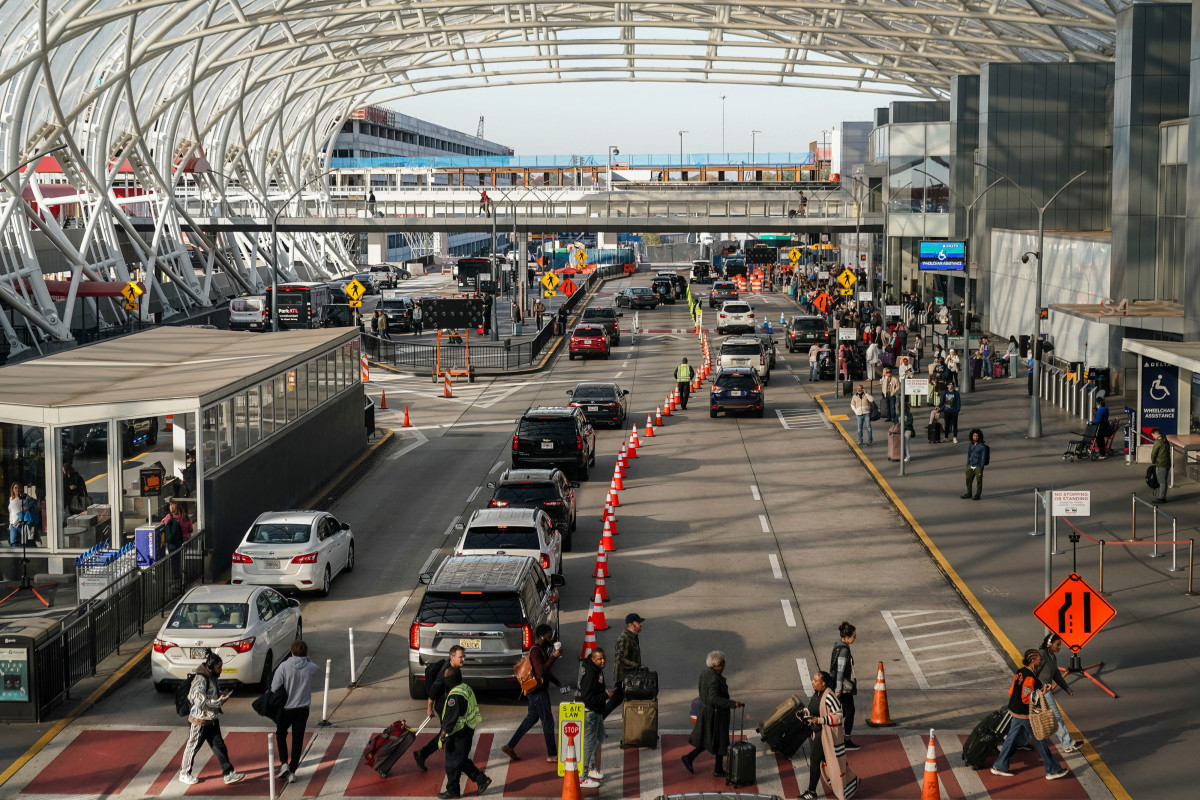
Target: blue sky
574, 118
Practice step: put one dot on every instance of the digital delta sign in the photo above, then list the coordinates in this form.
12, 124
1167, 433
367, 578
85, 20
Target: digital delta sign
942, 256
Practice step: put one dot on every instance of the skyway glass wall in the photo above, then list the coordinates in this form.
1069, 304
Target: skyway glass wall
636, 161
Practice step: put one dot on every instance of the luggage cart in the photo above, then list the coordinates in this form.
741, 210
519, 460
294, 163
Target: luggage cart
1096, 443
99, 568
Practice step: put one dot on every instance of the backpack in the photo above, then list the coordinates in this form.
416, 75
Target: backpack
1151, 477
183, 706
523, 671
172, 533
432, 673
875, 414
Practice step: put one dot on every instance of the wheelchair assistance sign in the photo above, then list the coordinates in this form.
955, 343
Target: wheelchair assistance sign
570, 733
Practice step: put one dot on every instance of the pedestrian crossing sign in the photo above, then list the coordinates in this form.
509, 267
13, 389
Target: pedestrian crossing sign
551, 280
794, 254
846, 292
581, 256
847, 279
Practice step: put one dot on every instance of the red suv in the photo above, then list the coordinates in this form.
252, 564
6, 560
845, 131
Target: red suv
589, 341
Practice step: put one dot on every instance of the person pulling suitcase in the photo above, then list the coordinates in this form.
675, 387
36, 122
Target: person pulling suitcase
824, 714
460, 718
435, 689
711, 733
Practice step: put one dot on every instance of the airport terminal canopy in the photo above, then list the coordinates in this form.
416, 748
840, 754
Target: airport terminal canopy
150, 99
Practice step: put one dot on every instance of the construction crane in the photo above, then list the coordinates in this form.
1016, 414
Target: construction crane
479, 130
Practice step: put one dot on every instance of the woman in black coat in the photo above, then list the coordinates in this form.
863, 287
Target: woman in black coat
712, 723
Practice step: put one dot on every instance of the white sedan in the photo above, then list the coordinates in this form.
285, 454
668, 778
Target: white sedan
250, 627
301, 550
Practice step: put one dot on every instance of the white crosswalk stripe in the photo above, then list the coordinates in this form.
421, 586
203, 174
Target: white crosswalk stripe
796, 419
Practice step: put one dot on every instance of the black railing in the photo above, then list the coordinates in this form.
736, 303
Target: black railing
97, 628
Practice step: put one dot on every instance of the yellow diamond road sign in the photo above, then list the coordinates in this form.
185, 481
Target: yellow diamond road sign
847, 279
355, 290
581, 256
550, 280
131, 291
794, 254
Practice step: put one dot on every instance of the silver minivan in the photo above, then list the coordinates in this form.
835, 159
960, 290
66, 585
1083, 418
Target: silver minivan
248, 313
490, 605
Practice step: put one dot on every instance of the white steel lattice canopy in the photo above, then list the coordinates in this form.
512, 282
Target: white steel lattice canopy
138, 89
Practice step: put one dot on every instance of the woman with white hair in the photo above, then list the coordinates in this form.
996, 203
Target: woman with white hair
712, 723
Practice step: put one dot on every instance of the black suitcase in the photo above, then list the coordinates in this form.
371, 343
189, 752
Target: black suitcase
641, 685
985, 740
791, 737
847, 388
740, 769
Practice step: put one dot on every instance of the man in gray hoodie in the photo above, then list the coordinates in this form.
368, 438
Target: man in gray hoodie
295, 677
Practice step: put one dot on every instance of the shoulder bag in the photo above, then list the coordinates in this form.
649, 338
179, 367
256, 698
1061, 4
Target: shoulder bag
1041, 718
523, 671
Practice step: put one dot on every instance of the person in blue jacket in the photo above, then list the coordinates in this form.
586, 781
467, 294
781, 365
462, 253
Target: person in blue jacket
978, 457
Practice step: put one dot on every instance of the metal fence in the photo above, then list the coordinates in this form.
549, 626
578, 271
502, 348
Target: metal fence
96, 629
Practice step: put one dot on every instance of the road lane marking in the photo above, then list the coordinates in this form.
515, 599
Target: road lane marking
805, 676
432, 555
453, 522
420, 440
399, 609
495, 467
471, 496
956, 624
762, 520
754, 491
793, 419
788, 616
775, 568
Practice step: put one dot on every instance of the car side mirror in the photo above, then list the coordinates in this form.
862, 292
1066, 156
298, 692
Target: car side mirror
620, 314
345, 526
574, 484
557, 580
491, 484
458, 526
569, 392
624, 392
426, 577
293, 602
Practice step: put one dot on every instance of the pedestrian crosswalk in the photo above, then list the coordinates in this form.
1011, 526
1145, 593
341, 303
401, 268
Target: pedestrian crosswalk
798, 419
945, 648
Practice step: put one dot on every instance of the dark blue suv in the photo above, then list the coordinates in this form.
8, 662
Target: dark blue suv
736, 389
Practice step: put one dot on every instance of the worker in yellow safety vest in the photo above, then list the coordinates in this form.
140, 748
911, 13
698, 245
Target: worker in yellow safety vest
683, 376
460, 717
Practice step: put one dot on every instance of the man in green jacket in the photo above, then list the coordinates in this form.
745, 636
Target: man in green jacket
1160, 457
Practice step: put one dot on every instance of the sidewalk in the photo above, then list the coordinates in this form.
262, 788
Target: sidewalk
1151, 653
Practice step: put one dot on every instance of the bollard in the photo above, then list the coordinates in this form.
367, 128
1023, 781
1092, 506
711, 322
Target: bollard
1174, 544
271, 763
1190, 592
1154, 550
325, 723
352, 669
1037, 499
1054, 551
1101, 587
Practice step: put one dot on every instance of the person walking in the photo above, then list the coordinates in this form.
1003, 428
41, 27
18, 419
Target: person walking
1020, 695
845, 682
1014, 360
1052, 680
979, 455
874, 359
889, 386
206, 699
950, 402
860, 406
814, 362
436, 691
418, 318
542, 655
177, 527
953, 364
628, 650
595, 697
460, 718
683, 380
371, 204
711, 732
825, 715
1160, 458
539, 311
294, 676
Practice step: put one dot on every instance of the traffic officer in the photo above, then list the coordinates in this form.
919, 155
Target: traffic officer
683, 377
460, 718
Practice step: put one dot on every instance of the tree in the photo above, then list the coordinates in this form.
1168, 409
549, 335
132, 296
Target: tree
651, 239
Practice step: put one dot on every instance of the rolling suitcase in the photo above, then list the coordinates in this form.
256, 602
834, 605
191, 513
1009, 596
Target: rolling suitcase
894, 441
770, 726
987, 737
384, 749
998, 369
639, 723
782, 731
740, 768
641, 685
934, 431
847, 388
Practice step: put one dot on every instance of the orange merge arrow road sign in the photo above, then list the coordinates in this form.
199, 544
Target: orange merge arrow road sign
1075, 611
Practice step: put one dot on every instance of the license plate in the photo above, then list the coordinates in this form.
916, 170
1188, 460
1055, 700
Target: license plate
545, 446
593, 408
470, 644
197, 652
271, 564
741, 361
736, 394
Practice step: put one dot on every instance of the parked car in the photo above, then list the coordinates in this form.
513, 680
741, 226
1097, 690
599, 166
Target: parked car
605, 316
135, 434
488, 605
250, 627
397, 308
735, 316
769, 347
601, 401
745, 351
249, 313
302, 550
588, 340
736, 389
513, 532
388, 276
804, 331
665, 289
554, 437
701, 272
636, 297
547, 489
721, 292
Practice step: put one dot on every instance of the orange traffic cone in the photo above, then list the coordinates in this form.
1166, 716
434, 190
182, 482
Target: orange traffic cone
607, 511
929, 786
667, 409
649, 426
632, 451
589, 644
614, 500
634, 441
597, 615
880, 718
612, 520
617, 481
675, 399
383, 402
606, 540
171, 422
658, 415
570, 790
601, 568
447, 389
696, 383
601, 589
620, 467
407, 424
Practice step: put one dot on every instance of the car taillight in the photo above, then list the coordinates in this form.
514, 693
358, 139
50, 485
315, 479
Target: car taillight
545, 561
238, 558
514, 447
497, 503
526, 634
241, 645
722, 315
553, 503
307, 558
752, 316
578, 442
761, 361
161, 647
414, 634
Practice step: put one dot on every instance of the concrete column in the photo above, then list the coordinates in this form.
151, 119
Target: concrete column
377, 250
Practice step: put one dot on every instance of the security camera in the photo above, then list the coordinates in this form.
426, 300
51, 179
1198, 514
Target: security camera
616, 152
1025, 258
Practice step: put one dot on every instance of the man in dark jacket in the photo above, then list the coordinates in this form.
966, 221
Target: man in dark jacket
460, 718
628, 651
712, 724
1160, 458
595, 700
436, 691
542, 659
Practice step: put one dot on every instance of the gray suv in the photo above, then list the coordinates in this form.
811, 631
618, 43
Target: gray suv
606, 316
490, 605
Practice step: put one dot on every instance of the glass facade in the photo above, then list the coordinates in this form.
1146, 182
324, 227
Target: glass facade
1172, 211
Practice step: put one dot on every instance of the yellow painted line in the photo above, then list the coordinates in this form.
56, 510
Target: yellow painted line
1089, 752
127, 461
75, 714
837, 417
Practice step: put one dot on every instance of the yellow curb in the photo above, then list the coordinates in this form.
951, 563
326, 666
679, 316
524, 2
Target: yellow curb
1089, 752
839, 417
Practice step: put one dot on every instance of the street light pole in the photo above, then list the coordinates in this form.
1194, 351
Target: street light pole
612, 151
858, 241
723, 150
821, 152
681, 175
275, 249
1035, 407
754, 148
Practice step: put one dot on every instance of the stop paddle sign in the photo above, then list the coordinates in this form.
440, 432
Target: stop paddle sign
571, 729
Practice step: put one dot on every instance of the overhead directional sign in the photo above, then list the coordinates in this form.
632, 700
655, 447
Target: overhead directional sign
568, 287
794, 254
1075, 611
847, 279
551, 280
355, 290
132, 291
581, 256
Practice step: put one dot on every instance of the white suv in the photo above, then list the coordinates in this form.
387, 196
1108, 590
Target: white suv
735, 315
513, 532
745, 351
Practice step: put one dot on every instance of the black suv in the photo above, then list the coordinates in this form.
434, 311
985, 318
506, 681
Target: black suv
722, 291
665, 289
398, 311
805, 331
555, 437
547, 489
606, 316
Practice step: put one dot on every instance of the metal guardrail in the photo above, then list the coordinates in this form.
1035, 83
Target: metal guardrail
96, 629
